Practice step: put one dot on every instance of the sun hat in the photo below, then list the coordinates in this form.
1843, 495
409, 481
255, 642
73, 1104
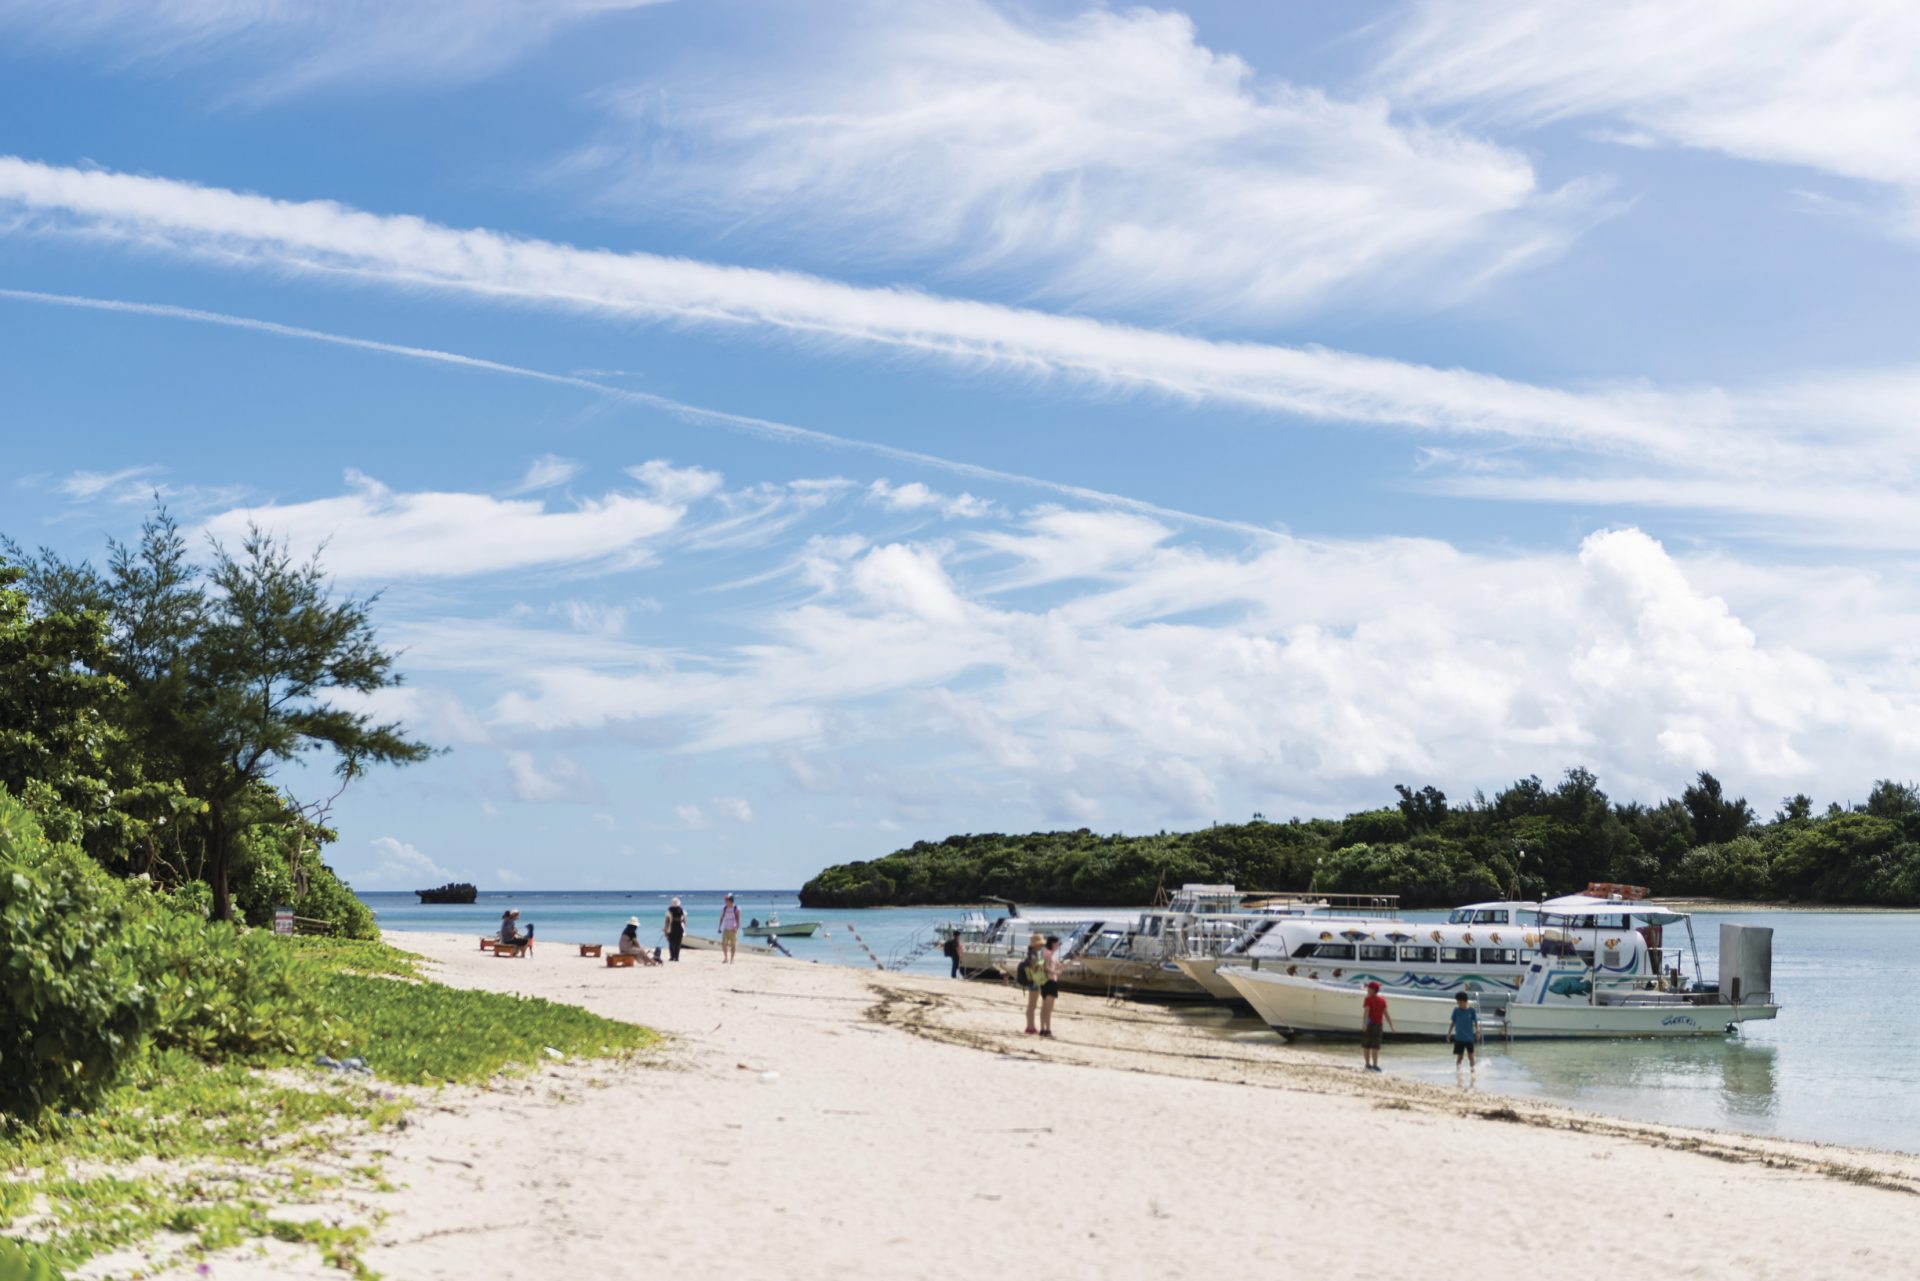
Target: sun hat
676, 902
633, 920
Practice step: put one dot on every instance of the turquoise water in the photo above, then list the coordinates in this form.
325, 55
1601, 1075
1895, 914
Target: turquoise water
1841, 1064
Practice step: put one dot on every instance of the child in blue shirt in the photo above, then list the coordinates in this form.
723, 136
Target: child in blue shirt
1464, 1032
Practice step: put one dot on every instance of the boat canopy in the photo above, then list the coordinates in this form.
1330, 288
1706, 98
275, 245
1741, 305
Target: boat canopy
1590, 905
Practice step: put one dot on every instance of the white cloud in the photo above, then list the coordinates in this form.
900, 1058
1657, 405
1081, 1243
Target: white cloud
83, 485
1171, 678
549, 471
563, 780
398, 865
733, 807
916, 496
1840, 434
690, 816
1831, 86
1107, 158
506, 878
373, 532
676, 486
307, 43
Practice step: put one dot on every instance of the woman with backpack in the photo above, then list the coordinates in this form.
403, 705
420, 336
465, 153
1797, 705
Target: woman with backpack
1032, 975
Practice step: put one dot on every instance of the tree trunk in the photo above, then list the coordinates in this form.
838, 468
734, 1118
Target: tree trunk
217, 863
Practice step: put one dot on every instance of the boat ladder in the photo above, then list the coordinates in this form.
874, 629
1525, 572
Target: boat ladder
921, 942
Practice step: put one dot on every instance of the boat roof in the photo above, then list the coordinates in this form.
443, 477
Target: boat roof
1586, 904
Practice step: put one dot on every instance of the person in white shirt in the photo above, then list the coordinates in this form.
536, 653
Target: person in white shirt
729, 930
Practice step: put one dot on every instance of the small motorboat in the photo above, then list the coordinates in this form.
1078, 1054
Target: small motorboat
772, 928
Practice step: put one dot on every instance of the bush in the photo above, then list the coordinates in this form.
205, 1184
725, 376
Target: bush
221, 992
76, 1007
328, 899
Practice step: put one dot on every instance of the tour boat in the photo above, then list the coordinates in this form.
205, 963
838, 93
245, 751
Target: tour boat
1483, 949
1563, 995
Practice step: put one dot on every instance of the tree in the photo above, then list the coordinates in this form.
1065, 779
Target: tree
229, 672
1716, 820
274, 645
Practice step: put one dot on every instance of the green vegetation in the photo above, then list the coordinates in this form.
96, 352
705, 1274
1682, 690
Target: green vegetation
1530, 837
157, 1063
148, 1034
145, 709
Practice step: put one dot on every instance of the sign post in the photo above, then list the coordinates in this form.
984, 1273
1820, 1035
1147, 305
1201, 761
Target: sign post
283, 920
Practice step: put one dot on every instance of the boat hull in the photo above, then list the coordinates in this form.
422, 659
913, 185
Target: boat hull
1290, 1005
797, 930
1205, 971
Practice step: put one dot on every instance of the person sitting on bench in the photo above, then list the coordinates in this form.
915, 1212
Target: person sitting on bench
630, 942
510, 935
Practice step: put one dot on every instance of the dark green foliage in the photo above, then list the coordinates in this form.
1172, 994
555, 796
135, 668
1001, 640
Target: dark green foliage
1529, 838
23, 1263
74, 998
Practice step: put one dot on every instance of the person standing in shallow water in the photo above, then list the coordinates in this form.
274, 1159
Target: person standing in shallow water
675, 928
1464, 1033
729, 930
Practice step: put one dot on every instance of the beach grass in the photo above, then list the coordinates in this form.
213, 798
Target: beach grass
210, 1151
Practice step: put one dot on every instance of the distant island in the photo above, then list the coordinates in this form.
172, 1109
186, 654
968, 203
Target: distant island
451, 892
1435, 852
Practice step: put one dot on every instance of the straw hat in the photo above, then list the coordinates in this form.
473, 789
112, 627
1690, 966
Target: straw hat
633, 920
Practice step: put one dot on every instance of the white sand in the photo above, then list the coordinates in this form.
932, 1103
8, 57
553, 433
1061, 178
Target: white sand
811, 1121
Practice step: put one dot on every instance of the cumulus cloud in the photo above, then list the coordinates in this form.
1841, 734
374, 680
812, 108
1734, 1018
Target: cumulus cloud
1831, 87
1172, 677
915, 496
1107, 158
307, 43
397, 865
374, 532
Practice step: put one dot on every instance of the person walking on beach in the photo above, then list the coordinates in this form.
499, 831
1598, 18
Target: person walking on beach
1374, 1022
951, 950
1032, 975
729, 930
675, 928
1464, 1033
1050, 986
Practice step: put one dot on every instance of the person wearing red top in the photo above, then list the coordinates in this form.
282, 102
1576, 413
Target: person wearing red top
1374, 1021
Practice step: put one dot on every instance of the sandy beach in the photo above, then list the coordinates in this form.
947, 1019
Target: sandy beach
813, 1121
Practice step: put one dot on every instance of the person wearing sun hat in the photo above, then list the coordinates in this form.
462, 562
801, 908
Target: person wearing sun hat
675, 928
630, 938
1374, 1020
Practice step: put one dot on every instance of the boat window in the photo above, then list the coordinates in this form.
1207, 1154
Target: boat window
1327, 951
1460, 916
1376, 952
1420, 952
1490, 916
1497, 956
1456, 956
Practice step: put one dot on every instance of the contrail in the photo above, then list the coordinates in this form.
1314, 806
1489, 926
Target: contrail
764, 427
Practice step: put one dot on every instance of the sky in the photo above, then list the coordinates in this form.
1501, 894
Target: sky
779, 432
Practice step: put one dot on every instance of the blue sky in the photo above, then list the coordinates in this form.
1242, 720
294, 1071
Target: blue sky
784, 431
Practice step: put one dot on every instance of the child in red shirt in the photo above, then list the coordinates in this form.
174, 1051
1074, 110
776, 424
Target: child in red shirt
1374, 1020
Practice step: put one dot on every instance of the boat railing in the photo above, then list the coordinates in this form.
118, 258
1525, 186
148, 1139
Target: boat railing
1306, 901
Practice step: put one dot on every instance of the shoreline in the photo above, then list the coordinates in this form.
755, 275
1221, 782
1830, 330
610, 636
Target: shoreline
864, 1124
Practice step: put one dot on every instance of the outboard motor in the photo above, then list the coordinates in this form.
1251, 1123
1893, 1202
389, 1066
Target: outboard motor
1746, 964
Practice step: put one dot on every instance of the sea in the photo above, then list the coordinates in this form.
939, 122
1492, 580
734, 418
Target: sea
1841, 1064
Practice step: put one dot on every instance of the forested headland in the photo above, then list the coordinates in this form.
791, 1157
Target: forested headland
1530, 837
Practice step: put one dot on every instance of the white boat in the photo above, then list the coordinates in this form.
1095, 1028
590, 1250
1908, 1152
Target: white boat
1562, 997
772, 928
702, 943
1482, 949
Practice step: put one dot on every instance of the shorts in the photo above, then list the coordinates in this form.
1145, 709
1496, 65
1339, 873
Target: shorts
1370, 1035
728, 936
1049, 989
1462, 1047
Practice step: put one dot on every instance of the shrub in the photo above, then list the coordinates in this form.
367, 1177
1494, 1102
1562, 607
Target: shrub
75, 1006
328, 899
222, 992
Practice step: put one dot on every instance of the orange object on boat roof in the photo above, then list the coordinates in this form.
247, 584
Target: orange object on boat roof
1607, 889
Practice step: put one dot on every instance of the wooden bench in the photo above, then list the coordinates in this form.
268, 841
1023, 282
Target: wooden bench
619, 960
487, 941
510, 949
590, 949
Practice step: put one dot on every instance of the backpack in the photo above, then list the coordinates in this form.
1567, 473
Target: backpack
1033, 973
